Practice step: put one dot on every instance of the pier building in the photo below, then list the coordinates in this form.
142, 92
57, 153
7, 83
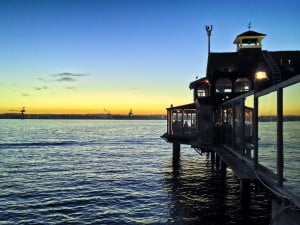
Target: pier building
224, 118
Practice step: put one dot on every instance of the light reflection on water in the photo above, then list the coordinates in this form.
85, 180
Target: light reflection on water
202, 194
112, 172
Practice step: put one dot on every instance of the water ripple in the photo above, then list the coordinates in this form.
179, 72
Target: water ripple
110, 172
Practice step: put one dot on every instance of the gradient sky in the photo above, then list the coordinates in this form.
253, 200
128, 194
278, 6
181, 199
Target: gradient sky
87, 56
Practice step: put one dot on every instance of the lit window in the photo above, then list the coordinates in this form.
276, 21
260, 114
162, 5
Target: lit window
223, 85
242, 85
202, 92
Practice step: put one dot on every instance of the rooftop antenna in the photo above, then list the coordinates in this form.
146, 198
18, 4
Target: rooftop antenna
208, 30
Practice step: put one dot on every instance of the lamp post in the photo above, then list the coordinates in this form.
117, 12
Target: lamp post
208, 30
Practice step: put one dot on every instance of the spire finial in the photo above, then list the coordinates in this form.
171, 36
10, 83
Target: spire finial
249, 25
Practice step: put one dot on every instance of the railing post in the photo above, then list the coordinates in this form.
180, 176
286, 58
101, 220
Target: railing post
279, 138
182, 121
255, 126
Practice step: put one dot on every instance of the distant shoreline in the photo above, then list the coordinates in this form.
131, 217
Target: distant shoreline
117, 117
83, 116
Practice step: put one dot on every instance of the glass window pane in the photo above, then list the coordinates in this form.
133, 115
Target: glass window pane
248, 126
267, 131
241, 85
291, 137
223, 85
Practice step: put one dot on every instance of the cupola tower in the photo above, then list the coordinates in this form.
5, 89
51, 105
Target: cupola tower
249, 40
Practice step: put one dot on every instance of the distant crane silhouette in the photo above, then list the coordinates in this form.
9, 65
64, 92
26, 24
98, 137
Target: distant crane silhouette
108, 115
107, 112
130, 114
22, 111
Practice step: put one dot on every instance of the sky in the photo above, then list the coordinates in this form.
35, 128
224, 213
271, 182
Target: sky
115, 55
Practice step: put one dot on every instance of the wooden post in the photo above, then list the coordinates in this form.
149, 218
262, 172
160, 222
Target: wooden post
279, 138
245, 192
212, 155
223, 165
176, 151
217, 161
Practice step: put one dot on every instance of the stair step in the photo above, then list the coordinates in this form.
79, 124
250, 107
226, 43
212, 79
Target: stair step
273, 67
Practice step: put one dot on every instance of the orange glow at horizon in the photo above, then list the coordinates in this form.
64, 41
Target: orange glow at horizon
92, 103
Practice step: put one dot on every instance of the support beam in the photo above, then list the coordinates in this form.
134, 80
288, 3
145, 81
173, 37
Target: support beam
282, 214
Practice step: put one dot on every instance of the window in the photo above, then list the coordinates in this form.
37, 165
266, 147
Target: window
223, 85
242, 85
202, 92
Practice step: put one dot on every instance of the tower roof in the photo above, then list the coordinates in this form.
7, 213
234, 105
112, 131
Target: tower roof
251, 33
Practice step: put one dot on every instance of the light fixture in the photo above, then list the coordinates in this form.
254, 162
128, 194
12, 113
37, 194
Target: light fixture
261, 73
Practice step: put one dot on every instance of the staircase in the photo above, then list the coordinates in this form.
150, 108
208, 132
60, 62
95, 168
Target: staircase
275, 71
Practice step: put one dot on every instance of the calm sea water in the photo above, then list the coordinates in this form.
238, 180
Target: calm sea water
291, 142
113, 172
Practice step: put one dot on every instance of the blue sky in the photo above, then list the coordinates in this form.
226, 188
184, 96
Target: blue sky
84, 56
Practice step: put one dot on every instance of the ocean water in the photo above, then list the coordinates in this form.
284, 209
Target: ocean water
113, 172
267, 151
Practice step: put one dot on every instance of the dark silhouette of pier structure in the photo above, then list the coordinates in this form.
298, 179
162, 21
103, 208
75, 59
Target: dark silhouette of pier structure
223, 119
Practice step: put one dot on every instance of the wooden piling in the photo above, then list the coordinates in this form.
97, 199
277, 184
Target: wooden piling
245, 192
217, 161
212, 158
176, 151
223, 165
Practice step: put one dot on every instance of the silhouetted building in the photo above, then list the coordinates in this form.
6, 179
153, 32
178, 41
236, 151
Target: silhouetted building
221, 120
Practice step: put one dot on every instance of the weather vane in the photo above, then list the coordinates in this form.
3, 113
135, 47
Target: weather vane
249, 25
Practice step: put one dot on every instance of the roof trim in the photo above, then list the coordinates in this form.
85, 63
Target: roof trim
187, 106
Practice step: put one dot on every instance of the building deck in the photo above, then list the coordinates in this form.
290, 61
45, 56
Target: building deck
245, 169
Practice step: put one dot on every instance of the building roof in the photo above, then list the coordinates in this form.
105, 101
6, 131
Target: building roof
198, 82
251, 33
234, 65
187, 106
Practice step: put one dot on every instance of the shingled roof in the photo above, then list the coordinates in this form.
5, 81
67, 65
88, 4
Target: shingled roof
251, 33
233, 64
